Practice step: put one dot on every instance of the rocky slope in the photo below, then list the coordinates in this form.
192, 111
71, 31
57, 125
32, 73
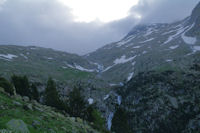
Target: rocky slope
19, 114
162, 102
150, 47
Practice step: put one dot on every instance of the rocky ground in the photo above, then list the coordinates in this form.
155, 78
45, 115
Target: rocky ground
22, 115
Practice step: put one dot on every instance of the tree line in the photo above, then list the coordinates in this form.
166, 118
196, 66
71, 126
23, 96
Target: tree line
75, 104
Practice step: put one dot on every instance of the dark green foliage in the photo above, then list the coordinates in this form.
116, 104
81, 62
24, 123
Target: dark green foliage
6, 85
98, 120
21, 84
77, 103
93, 115
51, 95
34, 92
120, 122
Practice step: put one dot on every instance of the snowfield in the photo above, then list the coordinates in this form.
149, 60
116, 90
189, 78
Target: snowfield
123, 59
174, 47
8, 56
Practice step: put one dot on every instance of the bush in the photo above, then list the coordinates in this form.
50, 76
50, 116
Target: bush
6, 85
120, 121
21, 84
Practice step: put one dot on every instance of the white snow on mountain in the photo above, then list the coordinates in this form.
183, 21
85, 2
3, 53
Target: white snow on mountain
90, 101
130, 76
174, 47
80, 68
178, 32
125, 41
196, 48
8, 56
106, 97
123, 59
147, 40
24, 56
149, 32
187, 39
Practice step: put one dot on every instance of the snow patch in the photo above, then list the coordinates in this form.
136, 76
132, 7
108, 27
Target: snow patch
144, 52
196, 48
130, 76
8, 56
123, 59
83, 69
149, 32
178, 32
133, 63
49, 58
106, 97
169, 60
90, 101
137, 47
24, 56
125, 41
189, 40
147, 40
80, 68
106, 69
174, 47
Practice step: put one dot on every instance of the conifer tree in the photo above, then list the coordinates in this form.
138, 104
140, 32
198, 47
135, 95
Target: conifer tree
5, 84
21, 84
51, 94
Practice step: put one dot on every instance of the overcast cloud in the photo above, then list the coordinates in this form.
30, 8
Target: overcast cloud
47, 23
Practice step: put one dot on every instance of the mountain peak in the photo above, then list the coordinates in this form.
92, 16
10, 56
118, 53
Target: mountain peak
196, 13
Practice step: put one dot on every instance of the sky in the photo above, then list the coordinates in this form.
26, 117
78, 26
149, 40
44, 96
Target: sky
82, 26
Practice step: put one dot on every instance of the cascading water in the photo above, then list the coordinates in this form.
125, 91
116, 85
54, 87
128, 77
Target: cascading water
119, 100
109, 121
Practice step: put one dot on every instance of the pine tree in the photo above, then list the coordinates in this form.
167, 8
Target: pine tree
77, 103
51, 94
21, 84
34, 92
120, 121
5, 84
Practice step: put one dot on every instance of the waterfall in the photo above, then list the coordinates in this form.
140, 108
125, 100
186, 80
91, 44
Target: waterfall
119, 100
109, 121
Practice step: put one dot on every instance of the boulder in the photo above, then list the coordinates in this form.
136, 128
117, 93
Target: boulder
17, 103
79, 120
25, 99
17, 126
35, 123
17, 97
28, 107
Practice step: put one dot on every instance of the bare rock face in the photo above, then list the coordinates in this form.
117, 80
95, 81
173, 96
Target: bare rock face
195, 19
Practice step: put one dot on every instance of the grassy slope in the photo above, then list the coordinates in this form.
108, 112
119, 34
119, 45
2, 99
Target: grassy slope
48, 118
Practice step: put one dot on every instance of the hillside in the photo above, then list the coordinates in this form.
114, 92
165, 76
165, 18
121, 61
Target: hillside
150, 47
41, 63
19, 114
160, 102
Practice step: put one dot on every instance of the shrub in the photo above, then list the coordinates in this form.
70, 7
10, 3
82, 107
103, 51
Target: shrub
6, 85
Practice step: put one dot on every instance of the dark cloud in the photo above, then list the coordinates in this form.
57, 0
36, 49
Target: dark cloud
164, 11
47, 23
